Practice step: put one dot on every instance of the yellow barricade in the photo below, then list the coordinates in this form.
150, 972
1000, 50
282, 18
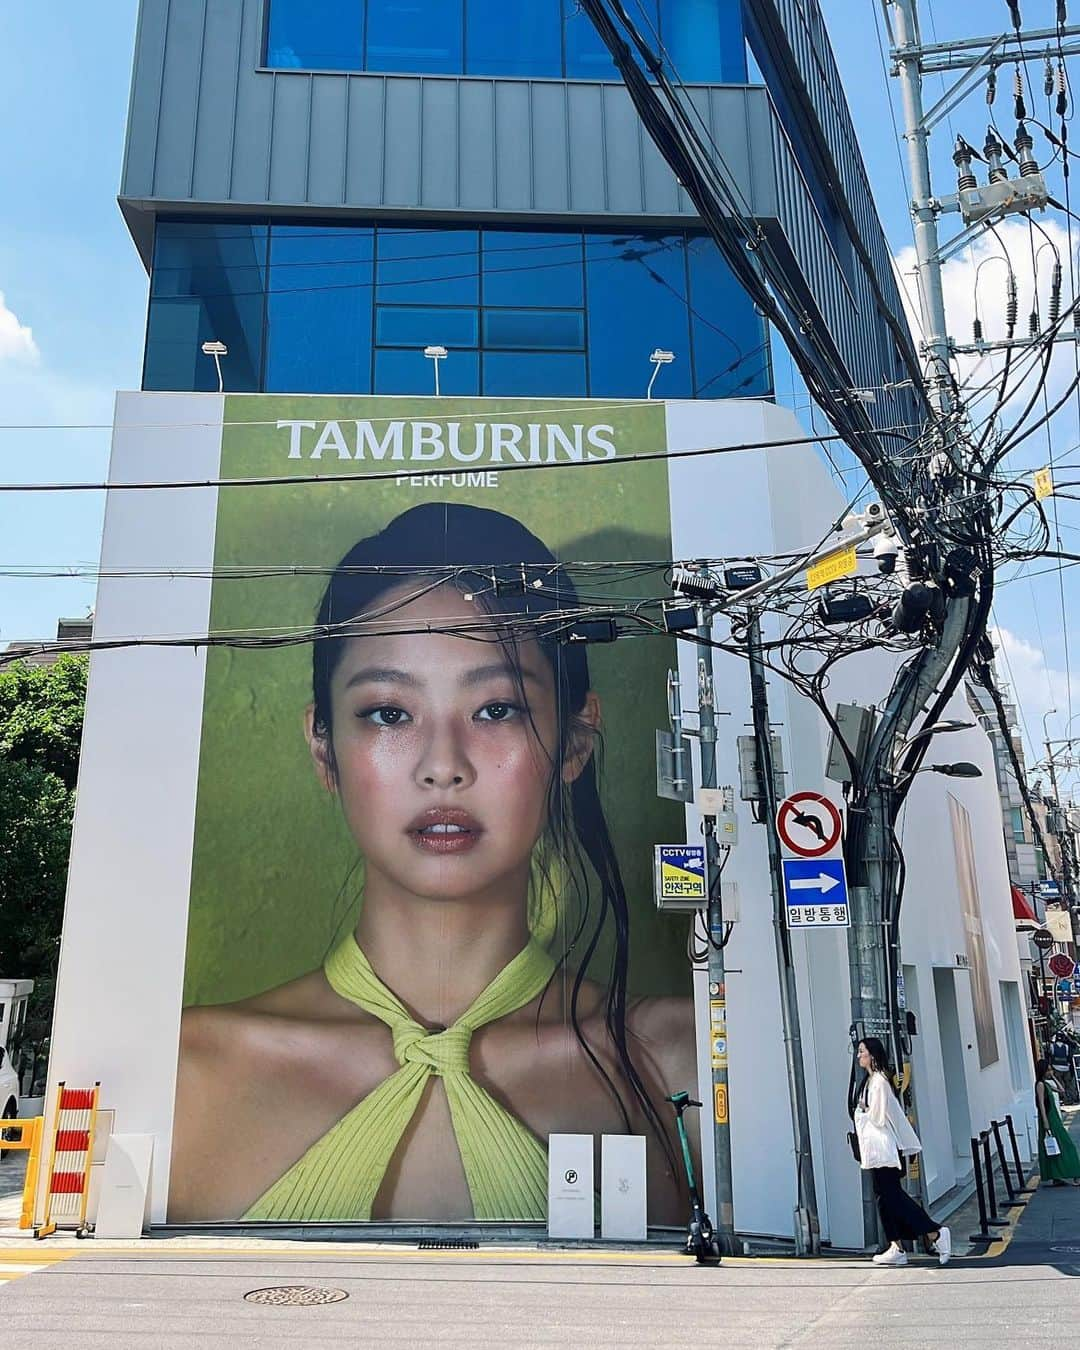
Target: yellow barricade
30, 1134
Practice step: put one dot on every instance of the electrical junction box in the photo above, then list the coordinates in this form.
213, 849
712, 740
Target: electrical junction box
749, 775
1002, 197
720, 804
856, 725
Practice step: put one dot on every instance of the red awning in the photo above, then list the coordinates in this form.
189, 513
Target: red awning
1022, 908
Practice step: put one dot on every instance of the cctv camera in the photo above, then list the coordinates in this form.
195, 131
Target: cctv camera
886, 551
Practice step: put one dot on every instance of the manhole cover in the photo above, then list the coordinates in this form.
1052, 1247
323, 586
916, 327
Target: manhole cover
446, 1245
295, 1295
1069, 1251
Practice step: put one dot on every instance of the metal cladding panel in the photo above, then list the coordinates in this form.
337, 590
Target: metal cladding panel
513, 147
290, 138
329, 140
588, 167
215, 116
250, 180
210, 128
140, 151
366, 145
181, 78
791, 44
440, 143
476, 148
551, 147
404, 145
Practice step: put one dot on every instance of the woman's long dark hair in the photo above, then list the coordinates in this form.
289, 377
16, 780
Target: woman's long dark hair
508, 571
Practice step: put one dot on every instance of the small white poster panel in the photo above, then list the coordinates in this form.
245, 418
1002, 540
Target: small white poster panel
570, 1186
623, 1211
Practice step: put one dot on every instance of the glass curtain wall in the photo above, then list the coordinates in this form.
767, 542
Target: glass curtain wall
349, 309
702, 39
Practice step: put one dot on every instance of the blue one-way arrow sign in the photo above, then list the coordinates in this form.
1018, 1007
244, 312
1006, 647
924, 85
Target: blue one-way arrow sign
815, 893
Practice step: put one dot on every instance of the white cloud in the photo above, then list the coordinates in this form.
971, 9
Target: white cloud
16, 339
975, 283
1036, 687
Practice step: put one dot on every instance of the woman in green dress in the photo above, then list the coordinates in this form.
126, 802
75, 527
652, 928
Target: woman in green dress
1063, 1166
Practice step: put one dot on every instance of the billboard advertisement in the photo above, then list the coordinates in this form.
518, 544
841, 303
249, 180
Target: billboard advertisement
360, 905
421, 935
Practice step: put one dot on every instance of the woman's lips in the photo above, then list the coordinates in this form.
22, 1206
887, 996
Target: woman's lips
445, 830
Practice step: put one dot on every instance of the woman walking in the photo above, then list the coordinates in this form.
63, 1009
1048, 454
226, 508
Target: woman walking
884, 1135
1058, 1158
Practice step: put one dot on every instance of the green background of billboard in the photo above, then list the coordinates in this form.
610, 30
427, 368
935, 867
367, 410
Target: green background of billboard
274, 876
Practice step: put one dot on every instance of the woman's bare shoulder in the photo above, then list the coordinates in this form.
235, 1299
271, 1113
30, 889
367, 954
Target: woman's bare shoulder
663, 1031
662, 1019
308, 998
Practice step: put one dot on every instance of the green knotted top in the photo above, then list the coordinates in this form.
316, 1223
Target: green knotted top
505, 1164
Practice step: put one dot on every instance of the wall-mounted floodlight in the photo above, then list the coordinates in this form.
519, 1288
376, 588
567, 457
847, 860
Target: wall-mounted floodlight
659, 358
217, 350
435, 355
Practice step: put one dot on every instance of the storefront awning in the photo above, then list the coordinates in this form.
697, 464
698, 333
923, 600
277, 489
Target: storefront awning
1022, 906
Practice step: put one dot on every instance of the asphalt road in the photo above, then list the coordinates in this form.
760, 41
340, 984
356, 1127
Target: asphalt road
186, 1300
188, 1293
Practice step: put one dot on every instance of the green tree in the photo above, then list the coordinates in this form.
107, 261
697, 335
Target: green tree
41, 713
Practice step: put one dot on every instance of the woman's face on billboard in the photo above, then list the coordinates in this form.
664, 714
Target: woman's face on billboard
441, 765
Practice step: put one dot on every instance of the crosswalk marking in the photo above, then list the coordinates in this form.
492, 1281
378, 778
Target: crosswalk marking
15, 1264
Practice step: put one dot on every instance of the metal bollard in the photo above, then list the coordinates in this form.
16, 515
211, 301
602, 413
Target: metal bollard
999, 1143
984, 1233
988, 1172
1021, 1181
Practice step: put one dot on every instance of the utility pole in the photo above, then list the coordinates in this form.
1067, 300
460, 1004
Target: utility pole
807, 1226
873, 948
1065, 844
719, 1106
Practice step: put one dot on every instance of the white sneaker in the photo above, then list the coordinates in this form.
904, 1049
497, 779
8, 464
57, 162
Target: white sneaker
943, 1246
895, 1256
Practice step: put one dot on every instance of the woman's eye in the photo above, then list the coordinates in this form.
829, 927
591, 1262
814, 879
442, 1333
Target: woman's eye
386, 716
497, 712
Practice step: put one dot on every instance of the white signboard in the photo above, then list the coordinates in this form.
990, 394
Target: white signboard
570, 1186
623, 1208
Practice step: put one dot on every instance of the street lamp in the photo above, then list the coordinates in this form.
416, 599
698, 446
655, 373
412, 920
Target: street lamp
659, 358
961, 769
217, 350
435, 355
950, 724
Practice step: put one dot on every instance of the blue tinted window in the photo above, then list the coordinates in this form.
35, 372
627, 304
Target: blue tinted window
537, 374
637, 302
526, 268
587, 58
552, 329
428, 267
411, 372
315, 35
414, 35
208, 283
703, 40
513, 37
731, 349
425, 327
318, 314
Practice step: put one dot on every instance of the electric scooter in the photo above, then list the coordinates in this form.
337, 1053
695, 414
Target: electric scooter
701, 1241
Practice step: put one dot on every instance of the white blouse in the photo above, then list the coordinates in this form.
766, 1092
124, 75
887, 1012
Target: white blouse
884, 1132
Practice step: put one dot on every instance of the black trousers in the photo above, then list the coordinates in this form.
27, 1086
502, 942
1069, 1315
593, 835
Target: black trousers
902, 1219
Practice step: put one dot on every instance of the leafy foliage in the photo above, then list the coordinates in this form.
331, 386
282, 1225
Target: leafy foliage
41, 713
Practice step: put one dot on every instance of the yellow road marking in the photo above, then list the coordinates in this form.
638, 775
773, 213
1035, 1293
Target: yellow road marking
999, 1245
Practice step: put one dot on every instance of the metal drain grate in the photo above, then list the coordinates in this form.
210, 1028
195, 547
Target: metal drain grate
295, 1296
446, 1244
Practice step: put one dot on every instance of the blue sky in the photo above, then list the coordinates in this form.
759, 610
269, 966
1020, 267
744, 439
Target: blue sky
74, 296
